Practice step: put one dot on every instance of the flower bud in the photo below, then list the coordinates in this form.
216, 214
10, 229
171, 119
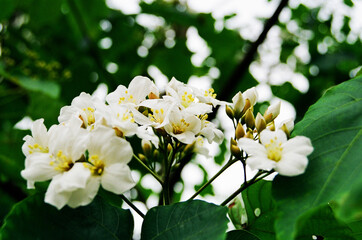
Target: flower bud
169, 147
272, 112
229, 111
252, 95
287, 126
237, 213
271, 126
238, 104
246, 106
156, 153
234, 149
142, 157
260, 123
249, 134
239, 131
249, 118
146, 147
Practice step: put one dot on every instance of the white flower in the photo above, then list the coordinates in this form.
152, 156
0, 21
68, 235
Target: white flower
185, 98
85, 107
38, 142
146, 133
71, 188
136, 92
252, 95
159, 111
183, 126
210, 132
243, 101
287, 157
66, 144
208, 96
108, 158
121, 119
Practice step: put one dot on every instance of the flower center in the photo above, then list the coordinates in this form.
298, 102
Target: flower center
127, 98
210, 93
89, 112
187, 99
157, 116
61, 162
274, 150
97, 167
180, 127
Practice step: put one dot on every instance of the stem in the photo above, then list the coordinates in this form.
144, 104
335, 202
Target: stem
148, 169
132, 206
247, 184
230, 162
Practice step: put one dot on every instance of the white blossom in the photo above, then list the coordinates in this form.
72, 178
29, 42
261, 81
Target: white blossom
287, 157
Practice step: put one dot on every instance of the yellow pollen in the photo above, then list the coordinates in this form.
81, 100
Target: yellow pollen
274, 150
62, 163
97, 167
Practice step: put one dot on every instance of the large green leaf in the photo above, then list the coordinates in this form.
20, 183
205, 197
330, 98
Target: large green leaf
241, 235
321, 221
260, 207
186, 220
334, 126
34, 219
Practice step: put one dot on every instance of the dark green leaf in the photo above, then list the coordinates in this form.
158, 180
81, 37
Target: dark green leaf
334, 126
34, 219
320, 221
241, 235
7, 8
260, 209
186, 220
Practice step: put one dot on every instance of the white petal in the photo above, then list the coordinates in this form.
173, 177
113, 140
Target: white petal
252, 95
251, 147
260, 162
299, 144
140, 87
266, 136
39, 168
84, 196
77, 177
291, 164
54, 197
238, 102
113, 97
117, 178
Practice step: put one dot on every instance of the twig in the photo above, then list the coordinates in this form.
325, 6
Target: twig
132, 206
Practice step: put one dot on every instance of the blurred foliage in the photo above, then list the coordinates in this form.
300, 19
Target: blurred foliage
50, 51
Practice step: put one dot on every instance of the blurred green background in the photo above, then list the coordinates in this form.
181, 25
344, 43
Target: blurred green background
51, 51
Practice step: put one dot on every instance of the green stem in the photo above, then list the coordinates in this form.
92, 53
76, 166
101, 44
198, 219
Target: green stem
148, 169
132, 206
230, 162
247, 184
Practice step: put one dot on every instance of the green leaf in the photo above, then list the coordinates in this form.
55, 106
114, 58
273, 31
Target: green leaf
49, 88
186, 220
7, 8
241, 235
287, 92
34, 219
350, 206
322, 222
334, 126
259, 207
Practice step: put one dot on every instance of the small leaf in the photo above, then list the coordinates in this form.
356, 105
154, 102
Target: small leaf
34, 219
186, 220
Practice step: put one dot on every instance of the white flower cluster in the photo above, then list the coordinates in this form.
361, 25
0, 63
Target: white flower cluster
88, 147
